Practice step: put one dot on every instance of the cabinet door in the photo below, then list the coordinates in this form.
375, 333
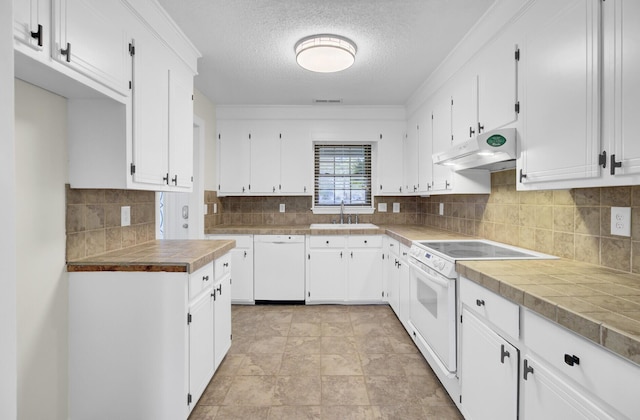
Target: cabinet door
180, 126
425, 149
464, 108
547, 396
392, 271
365, 275
488, 372
560, 91
242, 275
390, 161
326, 275
150, 110
222, 318
265, 158
410, 156
201, 356
497, 67
441, 128
90, 37
27, 15
296, 161
404, 291
622, 85
234, 158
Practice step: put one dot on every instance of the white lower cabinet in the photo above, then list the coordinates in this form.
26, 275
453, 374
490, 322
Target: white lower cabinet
489, 365
141, 345
392, 274
242, 263
404, 288
344, 269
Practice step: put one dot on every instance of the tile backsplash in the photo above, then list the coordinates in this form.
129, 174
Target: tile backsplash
93, 220
573, 224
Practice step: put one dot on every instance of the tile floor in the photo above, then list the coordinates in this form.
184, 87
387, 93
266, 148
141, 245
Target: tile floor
322, 362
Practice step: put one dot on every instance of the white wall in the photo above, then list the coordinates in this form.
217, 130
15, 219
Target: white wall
42, 297
8, 216
203, 108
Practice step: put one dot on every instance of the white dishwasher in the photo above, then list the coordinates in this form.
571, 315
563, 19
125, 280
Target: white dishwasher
278, 267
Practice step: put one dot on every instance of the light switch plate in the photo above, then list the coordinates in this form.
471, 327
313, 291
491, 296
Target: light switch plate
125, 216
621, 221
441, 209
382, 207
396, 207
215, 208
206, 209
281, 207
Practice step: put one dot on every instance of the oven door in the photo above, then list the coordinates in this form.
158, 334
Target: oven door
433, 311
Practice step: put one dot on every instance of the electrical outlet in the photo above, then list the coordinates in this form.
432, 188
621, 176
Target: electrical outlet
396, 207
382, 207
125, 216
215, 208
621, 221
281, 207
206, 209
441, 209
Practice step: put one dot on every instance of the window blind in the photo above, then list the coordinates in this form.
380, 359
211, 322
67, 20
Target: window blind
342, 173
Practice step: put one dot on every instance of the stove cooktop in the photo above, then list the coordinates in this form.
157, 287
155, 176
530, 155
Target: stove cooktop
476, 250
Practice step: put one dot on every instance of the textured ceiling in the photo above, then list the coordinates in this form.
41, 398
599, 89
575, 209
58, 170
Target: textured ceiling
248, 58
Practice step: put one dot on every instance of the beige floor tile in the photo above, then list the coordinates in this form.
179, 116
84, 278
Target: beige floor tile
303, 345
260, 364
272, 329
241, 345
350, 412
217, 390
230, 364
336, 329
294, 413
235, 412
300, 364
251, 390
338, 345
344, 390
297, 390
268, 345
305, 329
204, 412
340, 364
374, 344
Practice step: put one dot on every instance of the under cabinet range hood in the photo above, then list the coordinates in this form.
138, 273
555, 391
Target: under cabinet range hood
494, 150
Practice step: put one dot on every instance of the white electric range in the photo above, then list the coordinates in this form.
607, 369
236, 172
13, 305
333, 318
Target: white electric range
433, 292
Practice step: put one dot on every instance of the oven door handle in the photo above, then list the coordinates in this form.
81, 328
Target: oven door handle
431, 278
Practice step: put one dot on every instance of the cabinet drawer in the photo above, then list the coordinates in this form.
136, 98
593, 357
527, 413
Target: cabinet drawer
404, 252
364, 241
223, 266
393, 247
327, 241
601, 372
200, 280
494, 308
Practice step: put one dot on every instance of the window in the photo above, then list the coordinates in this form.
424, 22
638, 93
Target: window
342, 173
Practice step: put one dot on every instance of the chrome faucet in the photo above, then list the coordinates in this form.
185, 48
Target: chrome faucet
342, 212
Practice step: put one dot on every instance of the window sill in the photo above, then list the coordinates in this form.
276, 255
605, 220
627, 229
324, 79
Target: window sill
347, 210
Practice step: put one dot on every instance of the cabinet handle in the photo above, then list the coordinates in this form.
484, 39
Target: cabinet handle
213, 294
38, 35
503, 353
205, 278
527, 369
274, 189
225, 264
166, 178
522, 176
340, 254
352, 254
571, 359
245, 254
219, 289
614, 164
175, 180
471, 132
479, 302
480, 128
446, 185
67, 52
404, 254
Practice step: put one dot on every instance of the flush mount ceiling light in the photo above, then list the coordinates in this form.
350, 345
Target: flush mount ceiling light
325, 53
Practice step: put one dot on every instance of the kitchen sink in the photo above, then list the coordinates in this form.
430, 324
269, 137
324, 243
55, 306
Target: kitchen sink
350, 226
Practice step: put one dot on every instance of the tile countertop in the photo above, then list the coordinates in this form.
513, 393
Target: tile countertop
180, 256
600, 304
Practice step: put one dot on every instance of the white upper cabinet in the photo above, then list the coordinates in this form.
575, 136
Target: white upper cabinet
181, 156
425, 150
296, 160
410, 159
621, 36
234, 155
497, 93
265, 158
390, 160
90, 37
32, 24
464, 107
560, 91
441, 129
150, 99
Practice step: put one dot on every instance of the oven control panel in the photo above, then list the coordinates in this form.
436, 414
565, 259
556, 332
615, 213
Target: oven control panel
445, 267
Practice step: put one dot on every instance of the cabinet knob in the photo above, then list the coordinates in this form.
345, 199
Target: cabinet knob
571, 359
479, 302
245, 254
38, 35
365, 241
225, 264
205, 278
67, 52
327, 242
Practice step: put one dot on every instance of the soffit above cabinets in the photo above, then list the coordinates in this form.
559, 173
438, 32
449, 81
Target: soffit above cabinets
248, 47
